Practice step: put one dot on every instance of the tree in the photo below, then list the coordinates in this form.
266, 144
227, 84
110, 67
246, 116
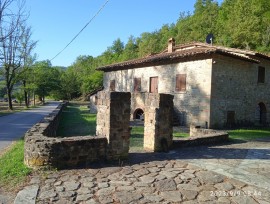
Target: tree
11, 34
130, 50
70, 87
46, 79
27, 59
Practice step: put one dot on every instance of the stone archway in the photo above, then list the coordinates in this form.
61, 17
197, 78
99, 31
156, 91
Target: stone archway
138, 114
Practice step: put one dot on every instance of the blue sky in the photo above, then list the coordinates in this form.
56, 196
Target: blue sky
55, 22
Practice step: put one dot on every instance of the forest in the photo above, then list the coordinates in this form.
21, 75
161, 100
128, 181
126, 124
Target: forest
243, 24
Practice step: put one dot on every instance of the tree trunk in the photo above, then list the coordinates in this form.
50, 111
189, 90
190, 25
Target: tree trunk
25, 95
34, 99
9, 99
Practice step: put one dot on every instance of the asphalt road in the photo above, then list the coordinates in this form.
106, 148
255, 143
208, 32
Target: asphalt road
14, 126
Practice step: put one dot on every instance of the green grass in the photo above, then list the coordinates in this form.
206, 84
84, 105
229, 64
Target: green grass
136, 138
137, 133
180, 134
13, 172
249, 134
77, 121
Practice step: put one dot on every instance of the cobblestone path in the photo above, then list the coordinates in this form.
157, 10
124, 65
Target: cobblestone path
232, 173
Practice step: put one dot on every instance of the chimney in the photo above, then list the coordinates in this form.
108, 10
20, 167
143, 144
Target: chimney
171, 45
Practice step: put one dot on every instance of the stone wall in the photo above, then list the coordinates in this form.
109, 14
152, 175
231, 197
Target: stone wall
158, 124
201, 136
235, 88
43, 149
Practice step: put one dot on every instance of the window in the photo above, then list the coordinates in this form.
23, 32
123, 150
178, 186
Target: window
153, 85
137, 84
261, 74
180, 84
112, 85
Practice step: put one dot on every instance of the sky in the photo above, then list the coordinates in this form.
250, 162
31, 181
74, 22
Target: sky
55, 22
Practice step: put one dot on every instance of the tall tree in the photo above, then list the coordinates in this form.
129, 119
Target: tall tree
11, 33
47, 79
27, 46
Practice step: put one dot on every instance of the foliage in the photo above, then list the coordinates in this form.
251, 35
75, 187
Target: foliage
241, 24
45, 79
19, 95
13, 172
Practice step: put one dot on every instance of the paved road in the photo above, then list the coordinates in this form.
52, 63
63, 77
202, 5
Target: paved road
13, 127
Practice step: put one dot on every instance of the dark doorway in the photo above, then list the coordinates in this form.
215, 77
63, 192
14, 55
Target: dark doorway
230, 119
138, 114
263, 113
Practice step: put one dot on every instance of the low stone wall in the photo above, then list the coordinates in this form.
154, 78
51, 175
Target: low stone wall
201, 136
43, 149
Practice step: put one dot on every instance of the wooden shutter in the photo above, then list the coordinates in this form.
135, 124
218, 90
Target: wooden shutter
112, 85
261, 74
180, 84
154, 85
137, 84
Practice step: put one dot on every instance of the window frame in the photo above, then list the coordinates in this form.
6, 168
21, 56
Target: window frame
261, 75
137, 86
181, 83
112, 85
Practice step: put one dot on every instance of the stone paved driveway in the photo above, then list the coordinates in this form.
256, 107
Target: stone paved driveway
232, 173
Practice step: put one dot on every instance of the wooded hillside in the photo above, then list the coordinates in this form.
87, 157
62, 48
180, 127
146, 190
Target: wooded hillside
241, 24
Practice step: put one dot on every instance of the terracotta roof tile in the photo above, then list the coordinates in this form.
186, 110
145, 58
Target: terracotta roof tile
181, 52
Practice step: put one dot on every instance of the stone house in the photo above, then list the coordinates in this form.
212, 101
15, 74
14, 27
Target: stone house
213, 86
92, 96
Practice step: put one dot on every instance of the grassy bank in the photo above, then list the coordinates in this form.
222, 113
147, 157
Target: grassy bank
16, 108
13, 172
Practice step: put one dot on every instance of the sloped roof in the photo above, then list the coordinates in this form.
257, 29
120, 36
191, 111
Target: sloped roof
95, 91
183, 52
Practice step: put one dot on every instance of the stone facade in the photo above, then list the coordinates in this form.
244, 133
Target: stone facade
222, 87
192, 106
235, 88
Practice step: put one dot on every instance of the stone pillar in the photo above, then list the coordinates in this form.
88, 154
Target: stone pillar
158, 125
113, 118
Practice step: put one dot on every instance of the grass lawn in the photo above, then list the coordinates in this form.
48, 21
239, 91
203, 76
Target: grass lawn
77, 121
13, 172
249, 134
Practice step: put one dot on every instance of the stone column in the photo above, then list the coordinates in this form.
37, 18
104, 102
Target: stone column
158, 125
113, 118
